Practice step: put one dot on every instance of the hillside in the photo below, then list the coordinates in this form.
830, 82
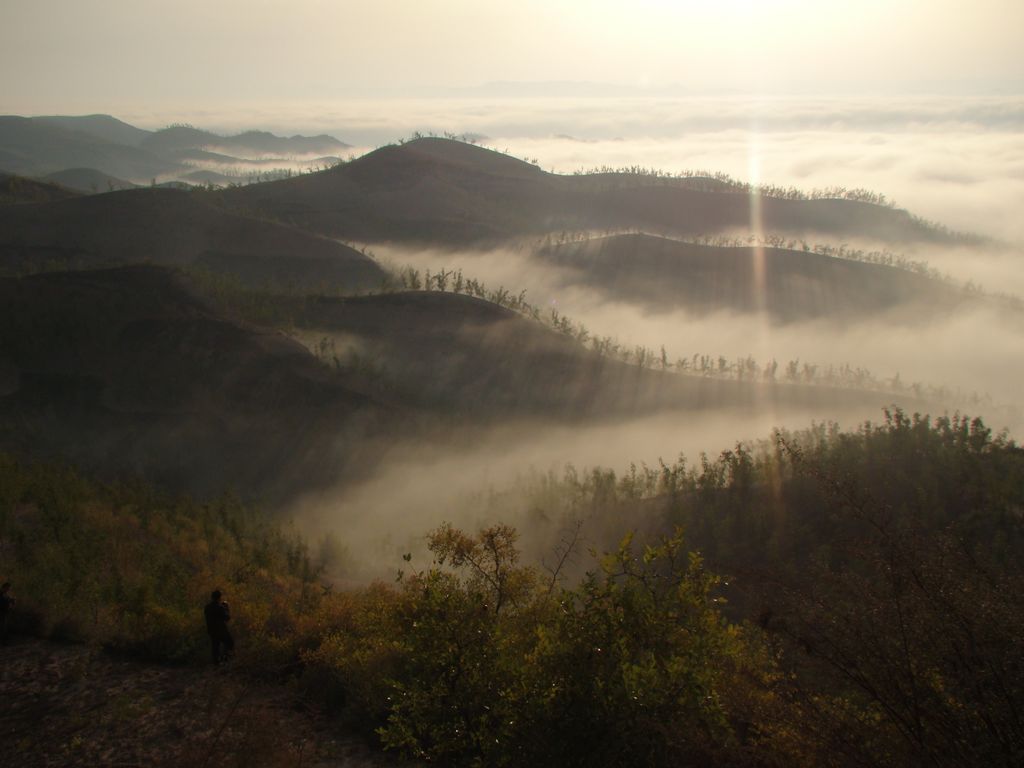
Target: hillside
18, 189
787, 284
451, 193
35, 148
126, 371
172, 227
38, 146
87, 180
140, 712
464, 356
104, 127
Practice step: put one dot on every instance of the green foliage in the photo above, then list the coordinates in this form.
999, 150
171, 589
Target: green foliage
775, 502
887, 564
923, 640
447, 695
476, 660
484, 663
639, 664
916, 615
125, 567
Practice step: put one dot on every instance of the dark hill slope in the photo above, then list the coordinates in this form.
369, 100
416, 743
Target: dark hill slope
88, 180
104, 127
448, 192
125, 370
667, 274
35, 148
454, 353
404, 193
172, 227
18, 189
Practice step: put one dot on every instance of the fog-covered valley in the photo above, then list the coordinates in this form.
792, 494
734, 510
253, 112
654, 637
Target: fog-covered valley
767, 299
554, 363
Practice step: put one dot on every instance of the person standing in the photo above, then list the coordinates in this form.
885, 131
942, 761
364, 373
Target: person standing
217, 616
6, 603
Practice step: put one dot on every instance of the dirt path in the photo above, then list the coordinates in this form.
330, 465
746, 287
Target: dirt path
66, 705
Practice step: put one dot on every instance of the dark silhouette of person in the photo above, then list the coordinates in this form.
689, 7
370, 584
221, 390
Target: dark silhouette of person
6, 603
217, 616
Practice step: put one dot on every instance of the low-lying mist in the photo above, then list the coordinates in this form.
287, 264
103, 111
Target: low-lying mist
475, 478
968, 350
996, 268
964, 179
956, 161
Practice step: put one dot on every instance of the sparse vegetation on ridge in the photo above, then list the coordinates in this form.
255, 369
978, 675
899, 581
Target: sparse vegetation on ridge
701, 364
287, 312
882, 257
707, 181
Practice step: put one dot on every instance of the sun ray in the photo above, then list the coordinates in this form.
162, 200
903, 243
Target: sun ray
758, 268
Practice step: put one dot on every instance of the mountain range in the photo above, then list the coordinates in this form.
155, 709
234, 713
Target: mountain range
108, 147
440, 191
229, 337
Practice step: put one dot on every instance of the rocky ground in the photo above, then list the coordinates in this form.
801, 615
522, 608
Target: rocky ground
68, 705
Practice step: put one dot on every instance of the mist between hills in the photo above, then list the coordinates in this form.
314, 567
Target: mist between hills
945, 352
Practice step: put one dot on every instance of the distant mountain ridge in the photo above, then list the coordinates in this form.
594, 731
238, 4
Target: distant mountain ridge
446, 192
104, 127
429, 190
243, 145
786, 284
36, 148
101, 144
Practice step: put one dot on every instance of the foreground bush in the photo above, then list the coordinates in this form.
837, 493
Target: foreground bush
480, 661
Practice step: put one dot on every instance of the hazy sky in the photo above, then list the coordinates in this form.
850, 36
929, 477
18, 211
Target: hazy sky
100, 55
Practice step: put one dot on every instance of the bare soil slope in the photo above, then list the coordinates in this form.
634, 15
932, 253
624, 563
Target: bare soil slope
68, 705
